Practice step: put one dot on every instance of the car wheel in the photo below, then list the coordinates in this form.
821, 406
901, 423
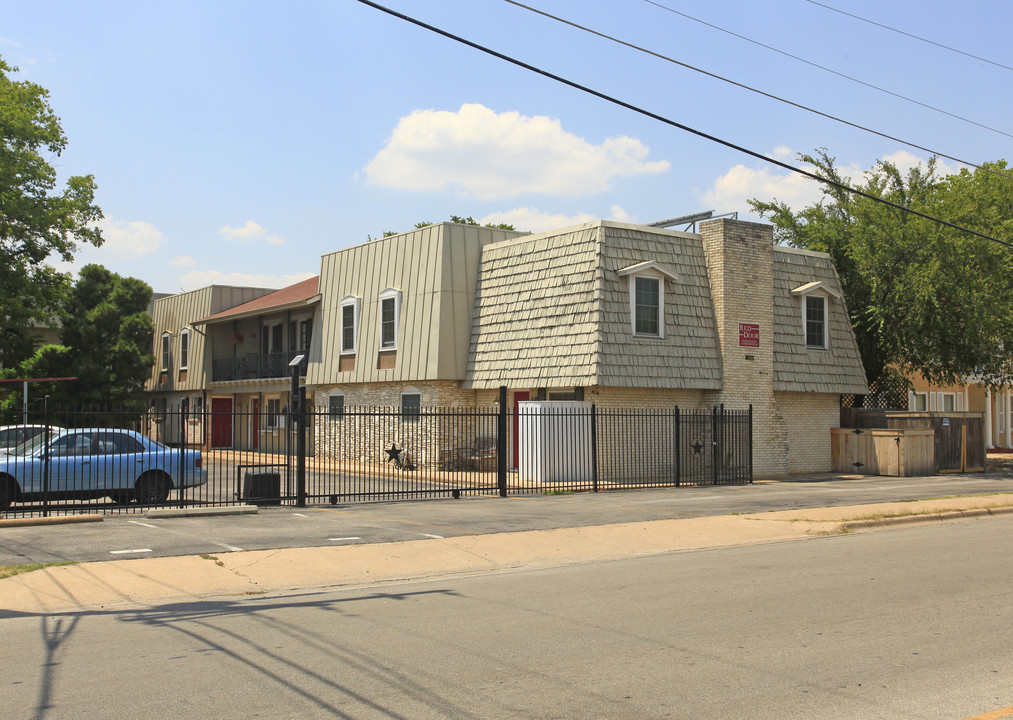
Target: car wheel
121, 497
151, 489
8, 493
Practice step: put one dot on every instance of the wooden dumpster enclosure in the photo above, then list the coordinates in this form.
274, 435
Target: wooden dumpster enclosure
957, 442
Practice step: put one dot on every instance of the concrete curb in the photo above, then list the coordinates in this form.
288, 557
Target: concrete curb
925, 517
202, 511
52, 520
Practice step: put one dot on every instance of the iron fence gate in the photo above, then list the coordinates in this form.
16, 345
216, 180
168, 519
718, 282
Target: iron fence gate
367, 453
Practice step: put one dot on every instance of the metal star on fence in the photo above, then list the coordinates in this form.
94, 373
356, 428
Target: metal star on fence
393, 453
697, 447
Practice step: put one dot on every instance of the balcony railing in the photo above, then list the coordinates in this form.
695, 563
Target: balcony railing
253, 366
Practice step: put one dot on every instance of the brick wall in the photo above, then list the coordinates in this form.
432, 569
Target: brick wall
809, 417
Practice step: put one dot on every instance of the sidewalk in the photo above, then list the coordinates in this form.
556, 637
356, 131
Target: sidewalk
254, 573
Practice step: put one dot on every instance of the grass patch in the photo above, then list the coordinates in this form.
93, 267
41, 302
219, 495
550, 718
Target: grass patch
7, 571
205, 556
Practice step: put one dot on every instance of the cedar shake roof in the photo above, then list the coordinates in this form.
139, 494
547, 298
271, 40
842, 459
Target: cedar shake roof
837, 369
300, 294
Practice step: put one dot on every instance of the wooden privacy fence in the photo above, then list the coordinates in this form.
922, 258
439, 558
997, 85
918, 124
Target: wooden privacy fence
958, 440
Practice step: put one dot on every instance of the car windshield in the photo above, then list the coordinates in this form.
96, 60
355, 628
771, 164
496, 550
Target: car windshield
28, 446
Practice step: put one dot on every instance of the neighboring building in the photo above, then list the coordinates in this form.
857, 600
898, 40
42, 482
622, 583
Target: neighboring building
178, 385
249, 350
618, 314
971, 396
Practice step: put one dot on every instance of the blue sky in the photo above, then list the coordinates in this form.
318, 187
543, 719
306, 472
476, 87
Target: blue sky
236, 142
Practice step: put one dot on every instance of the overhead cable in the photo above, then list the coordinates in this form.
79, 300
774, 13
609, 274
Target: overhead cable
910, 35
752, 89
832, 71
673, 123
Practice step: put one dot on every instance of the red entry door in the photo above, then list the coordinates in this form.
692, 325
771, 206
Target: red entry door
519, 397
221, 422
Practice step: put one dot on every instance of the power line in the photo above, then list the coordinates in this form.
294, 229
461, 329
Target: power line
673, 123
752, 89
830, 70
910, 35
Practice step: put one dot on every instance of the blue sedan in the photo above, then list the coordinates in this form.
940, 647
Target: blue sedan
88, 463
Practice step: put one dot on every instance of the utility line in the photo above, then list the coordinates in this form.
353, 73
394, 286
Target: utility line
910, 35
673, 123
752, 89
830, 70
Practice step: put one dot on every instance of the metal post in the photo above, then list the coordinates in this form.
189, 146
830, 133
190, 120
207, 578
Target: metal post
594, 448
750, 443
45, 461
678, 449
182, 454
300, 445
714, 444
501, 443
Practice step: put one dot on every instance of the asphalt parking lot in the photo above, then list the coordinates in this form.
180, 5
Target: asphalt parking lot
137, 535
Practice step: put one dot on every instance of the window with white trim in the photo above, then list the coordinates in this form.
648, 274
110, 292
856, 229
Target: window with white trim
184, 349
815, 318
273, 413
411, 405
646, 287
390, 316
166, 351
947, 402
920, 402
349, 324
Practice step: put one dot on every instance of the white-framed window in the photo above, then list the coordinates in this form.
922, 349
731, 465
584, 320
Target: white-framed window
411, 405
349, 318
646, 286
336, 405
947, 402
166, 352
920, 401
273, 415
814, 309
197, 406
390, 318
184, 349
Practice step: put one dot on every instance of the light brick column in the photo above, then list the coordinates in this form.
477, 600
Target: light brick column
740, 264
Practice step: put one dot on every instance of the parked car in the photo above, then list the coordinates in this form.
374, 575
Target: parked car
13, 435
88, 463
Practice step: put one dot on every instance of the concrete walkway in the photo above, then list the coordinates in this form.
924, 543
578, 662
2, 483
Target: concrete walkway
158, 580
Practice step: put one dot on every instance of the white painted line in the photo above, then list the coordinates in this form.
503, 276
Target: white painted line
300, 515
434, 537
230, 548
128, 552
135, 522
345, 538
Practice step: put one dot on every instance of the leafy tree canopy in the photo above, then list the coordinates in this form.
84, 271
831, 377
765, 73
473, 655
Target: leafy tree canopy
922, 296
456, 219
106, 343
36, 220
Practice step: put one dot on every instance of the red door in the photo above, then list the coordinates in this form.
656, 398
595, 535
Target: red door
256, 423
221, 422
519, 397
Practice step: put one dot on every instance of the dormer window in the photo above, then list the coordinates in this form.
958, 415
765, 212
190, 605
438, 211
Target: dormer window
646, 284
390, 315
815, 309
349, 324
166, 352
184, 349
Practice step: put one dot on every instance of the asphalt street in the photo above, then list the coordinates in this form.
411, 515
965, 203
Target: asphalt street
136, 535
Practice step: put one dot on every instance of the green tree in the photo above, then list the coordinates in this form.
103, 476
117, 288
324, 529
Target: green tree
36, 220
454, 219
922, 296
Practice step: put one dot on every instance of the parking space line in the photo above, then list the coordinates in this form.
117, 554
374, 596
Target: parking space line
344, 538
434, 537
230, 548
300, 515
129, 552
135, 522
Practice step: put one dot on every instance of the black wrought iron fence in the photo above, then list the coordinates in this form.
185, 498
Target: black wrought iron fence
362, 453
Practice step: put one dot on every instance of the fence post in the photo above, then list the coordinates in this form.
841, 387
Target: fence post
182, 456
714, 444
300, 446
501, 443
750, 443
594, 448
45, 460
678, 449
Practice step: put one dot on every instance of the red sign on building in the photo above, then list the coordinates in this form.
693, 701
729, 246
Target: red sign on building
749, 335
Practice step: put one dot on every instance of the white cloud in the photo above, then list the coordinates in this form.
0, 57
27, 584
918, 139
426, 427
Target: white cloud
128, 239
528, 218
203, 278
249, 232
184, 261
730, 191
489, 155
